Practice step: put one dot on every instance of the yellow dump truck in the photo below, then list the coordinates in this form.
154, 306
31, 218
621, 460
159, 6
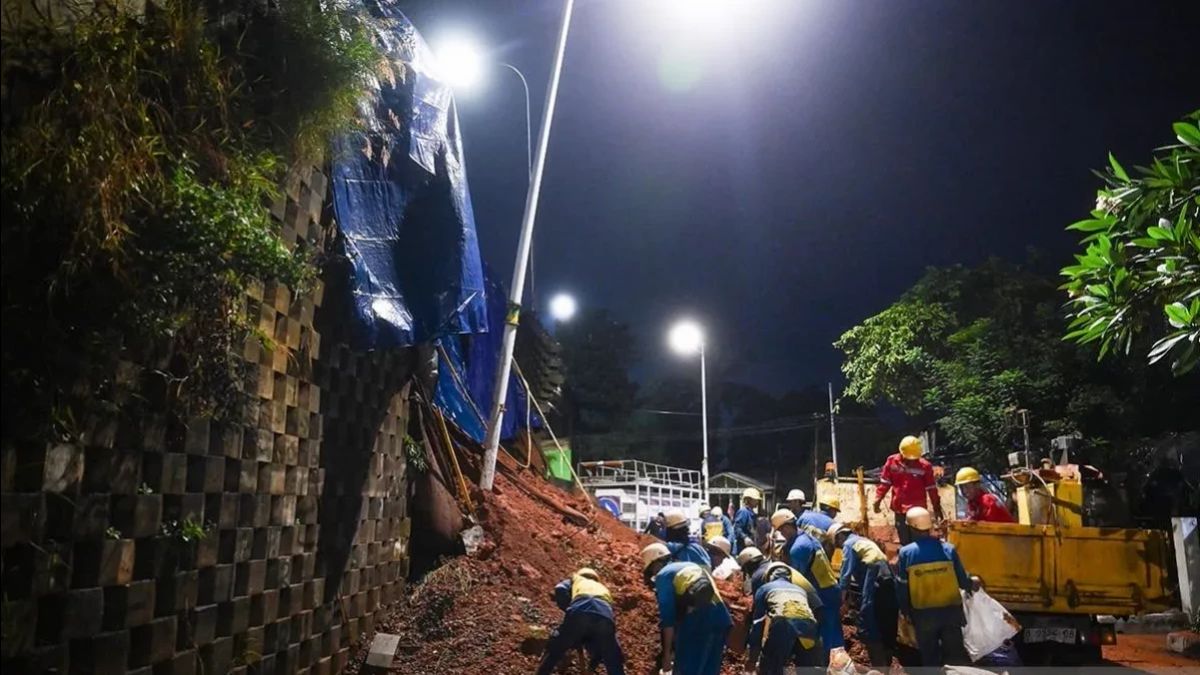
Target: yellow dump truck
1057, 575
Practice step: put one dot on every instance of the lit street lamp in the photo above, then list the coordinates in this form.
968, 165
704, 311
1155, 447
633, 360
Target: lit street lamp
462, 62
687, 338
562, 307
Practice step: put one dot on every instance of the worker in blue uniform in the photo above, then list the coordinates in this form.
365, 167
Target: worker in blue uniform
805, 554
679, 540
744, 529
588, 623
694, 620
817, 522
727, 529
929, 576
865, 575
782, 612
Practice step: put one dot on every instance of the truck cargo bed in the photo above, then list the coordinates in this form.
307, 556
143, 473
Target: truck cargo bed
1071, 570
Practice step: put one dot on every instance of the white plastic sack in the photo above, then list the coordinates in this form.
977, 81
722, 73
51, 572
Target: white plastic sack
988, 625
840, 662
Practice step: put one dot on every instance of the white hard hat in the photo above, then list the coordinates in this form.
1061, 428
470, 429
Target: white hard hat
835, 529
919, 519
721, 543
654, 552
675, 518
795, 496
716, 511
782, 517
751, 493
748, 555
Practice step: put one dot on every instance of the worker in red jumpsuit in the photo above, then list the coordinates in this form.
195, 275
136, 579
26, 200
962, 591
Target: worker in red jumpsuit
982, 506
910, 479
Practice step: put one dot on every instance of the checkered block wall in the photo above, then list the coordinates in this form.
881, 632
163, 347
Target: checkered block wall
101, 573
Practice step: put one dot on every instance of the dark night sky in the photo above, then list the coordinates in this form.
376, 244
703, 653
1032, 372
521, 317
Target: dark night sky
786, 168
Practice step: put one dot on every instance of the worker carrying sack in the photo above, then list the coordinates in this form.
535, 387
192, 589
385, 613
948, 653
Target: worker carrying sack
988, 625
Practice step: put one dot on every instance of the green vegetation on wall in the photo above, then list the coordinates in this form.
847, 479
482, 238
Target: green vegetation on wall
140, 156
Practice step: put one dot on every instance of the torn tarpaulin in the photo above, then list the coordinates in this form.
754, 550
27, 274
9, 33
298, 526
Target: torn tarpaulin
402, 204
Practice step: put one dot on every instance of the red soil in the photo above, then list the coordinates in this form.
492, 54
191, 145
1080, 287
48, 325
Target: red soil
490, 612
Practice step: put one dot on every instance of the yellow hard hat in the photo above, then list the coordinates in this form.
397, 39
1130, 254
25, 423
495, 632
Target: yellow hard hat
966, 475
835, 529
919, 519
795, 496
675, 518
588, 573
752, 493
748, 555
910, 447
720, 543
653, 553
782, 517
716, 511
831, 501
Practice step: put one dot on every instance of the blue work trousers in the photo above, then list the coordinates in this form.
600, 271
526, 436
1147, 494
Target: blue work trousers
595, 633
782, 647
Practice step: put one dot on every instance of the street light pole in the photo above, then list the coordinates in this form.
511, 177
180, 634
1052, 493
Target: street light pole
528, 119
513, 314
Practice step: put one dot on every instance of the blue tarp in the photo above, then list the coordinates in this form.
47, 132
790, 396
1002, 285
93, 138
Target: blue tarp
402, 204
403, 207
474, 358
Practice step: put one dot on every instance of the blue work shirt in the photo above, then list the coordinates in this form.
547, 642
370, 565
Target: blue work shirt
692, 552
743, 523
710, 615
806, 555
929, 576
582, 603
784, 601
859, 553
815, 523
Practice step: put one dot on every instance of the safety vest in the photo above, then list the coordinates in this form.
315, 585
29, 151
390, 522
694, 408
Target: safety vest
868, 551
933, 584
713, 528
822, 570
587, 587
788, 603
778, 570
695, 586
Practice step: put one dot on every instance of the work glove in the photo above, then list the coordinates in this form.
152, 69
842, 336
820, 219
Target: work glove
877, 507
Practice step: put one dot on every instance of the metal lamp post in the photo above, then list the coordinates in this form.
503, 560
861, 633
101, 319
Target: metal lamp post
687, 338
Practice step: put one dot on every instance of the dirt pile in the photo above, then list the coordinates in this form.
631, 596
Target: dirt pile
492, 611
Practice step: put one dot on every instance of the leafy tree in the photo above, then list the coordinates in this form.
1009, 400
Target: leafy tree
968, 347
598, 352
1139, 274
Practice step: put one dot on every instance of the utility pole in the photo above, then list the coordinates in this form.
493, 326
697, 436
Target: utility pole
1023, 417
816, 462
832, 430
491, 446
